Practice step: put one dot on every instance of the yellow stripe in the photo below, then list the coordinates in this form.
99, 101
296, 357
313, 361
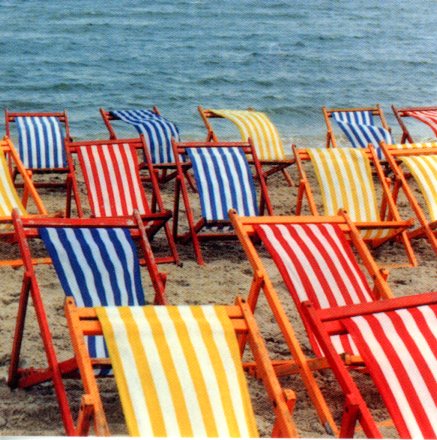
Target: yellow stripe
235, 351
9, 198
195, 372
423, 169
170, 368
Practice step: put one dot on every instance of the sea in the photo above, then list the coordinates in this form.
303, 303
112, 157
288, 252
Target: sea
286, 58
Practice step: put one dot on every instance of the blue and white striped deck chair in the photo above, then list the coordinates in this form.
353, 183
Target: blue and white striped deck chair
224, 181
359, 127
157, 130
97, 267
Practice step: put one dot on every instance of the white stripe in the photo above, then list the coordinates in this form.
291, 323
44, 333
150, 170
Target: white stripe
92, 184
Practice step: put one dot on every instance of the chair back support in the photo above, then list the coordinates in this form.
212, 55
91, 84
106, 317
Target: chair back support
9, 198
178, 371
157, 130
41, 142
224, 181
258, 127
359, 128
112, 179
97, 267
428, 117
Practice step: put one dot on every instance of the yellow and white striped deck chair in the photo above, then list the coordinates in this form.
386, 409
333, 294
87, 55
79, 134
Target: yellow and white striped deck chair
419, 160
178, 370
259, 128
9, 197
346, 183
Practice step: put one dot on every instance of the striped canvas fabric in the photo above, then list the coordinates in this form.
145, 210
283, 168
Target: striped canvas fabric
400, 352
224, 181
428, 117
157, 130
359, 128
317, 264
9, 198
345, 180
112, 179
97, 267
258, 127
41, 142
424, 170
178, 371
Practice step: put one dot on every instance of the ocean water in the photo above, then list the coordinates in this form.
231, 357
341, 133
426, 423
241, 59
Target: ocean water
287, 58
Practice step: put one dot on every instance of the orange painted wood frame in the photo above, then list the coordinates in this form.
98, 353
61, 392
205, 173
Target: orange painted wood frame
275, 165
427, 228
300, 364
181, 189
26, 230
331, 141
327, 322
389, 214
84, 321
157, 218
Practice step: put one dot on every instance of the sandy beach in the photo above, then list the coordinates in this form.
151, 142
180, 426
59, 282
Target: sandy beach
226, 275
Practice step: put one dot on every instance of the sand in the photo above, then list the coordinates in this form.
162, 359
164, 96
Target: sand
226, 275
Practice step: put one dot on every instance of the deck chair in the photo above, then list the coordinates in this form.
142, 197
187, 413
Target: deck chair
224, 181
41, 147
359, 126
397, 341
178, 370
10, 198
315, 257
345, 180
259, 128
427, 115
419, 161
98, 264
157, 131
110, 169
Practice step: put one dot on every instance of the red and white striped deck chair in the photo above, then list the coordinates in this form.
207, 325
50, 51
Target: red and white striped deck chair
427, 115
397, 340
260, 129
345, 182
178, 371
317, 263
419, 161
110, 169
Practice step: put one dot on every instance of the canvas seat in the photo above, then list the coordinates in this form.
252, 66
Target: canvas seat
259, 128
359, 126
157, 131
346, 182
41, 145
97, 264
397, 341
316, 261
427, 115
178, 371
419, 161
224, 180
110, 169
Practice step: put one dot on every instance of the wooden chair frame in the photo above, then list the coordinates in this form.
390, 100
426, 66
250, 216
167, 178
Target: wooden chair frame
84, 321
10, 117
300, 364
390, 217
327, 322
427, 228
194, 227
27, 229
156, 219
404, 112
331, 140
165, 171
275, 165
